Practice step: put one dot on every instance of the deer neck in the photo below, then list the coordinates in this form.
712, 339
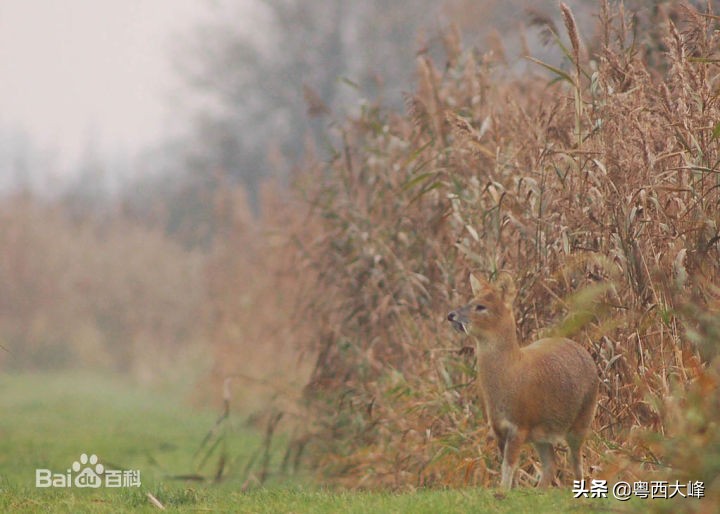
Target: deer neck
496, 359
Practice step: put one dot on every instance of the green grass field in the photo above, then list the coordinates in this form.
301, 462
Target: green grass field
48, 420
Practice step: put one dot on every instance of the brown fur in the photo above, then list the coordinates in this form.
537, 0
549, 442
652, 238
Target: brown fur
542, 393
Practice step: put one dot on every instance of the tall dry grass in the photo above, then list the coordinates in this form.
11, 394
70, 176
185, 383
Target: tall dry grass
596, 184
598, 190
103, 294
255, 320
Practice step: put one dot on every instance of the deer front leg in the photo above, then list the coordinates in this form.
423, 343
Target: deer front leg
514, 440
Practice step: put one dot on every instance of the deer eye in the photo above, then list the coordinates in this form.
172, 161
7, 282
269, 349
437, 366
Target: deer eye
480, 308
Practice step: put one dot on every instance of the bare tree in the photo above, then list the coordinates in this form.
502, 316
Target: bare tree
259, 70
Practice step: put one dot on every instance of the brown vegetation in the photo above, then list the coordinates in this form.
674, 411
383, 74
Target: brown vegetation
255, 322
107, 294
599, 192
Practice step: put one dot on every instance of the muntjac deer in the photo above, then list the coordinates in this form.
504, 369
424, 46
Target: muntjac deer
542, 393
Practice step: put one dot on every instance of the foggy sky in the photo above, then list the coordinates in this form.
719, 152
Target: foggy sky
81, 72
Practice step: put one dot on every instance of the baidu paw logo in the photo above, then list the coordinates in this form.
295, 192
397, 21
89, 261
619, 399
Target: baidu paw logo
88, 472
91, 471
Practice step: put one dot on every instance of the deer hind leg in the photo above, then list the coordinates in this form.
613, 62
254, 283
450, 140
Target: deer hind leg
547, 458
576, 458
501, 444
576, 436
514, 440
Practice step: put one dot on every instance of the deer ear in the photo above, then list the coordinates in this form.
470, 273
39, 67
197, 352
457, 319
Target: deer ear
506, 286
475, 285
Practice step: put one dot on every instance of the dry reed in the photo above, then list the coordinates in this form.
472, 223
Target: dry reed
598, 191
